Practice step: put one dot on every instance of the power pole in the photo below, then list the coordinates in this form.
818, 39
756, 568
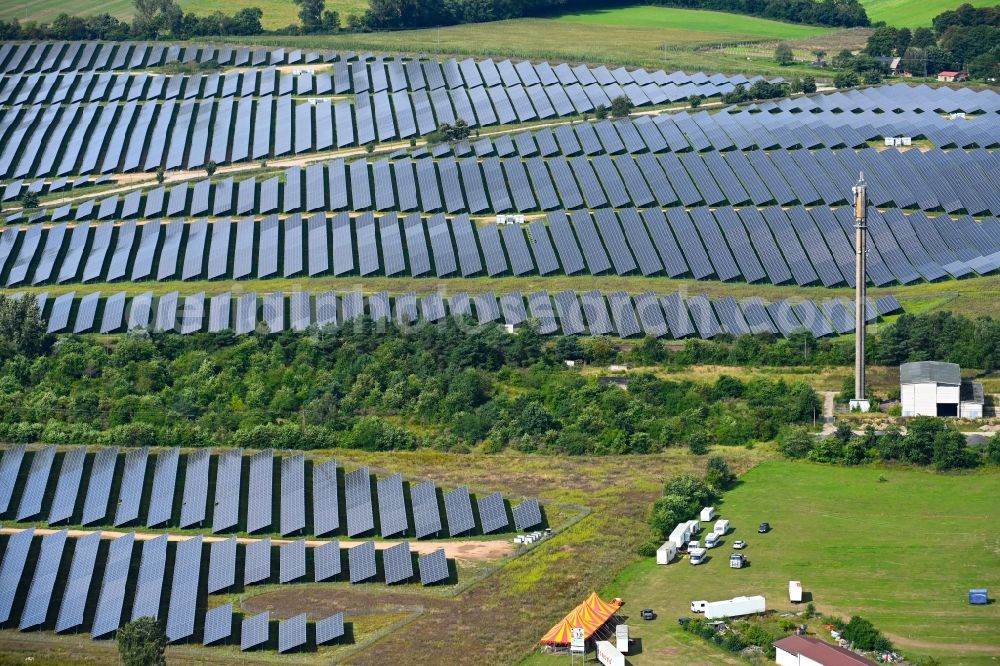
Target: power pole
860, 191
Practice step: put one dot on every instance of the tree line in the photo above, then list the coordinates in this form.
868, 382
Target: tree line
963, 38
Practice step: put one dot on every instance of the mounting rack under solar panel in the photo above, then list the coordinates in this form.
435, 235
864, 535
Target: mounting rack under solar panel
361, 562
433, 567
458, 509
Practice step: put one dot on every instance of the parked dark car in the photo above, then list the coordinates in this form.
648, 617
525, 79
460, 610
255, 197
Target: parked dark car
647, 614
764, 528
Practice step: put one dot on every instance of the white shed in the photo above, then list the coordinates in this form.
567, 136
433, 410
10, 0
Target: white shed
930, 388
666, 553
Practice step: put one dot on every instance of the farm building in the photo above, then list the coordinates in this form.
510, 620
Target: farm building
952, 77
934, 388
809, 651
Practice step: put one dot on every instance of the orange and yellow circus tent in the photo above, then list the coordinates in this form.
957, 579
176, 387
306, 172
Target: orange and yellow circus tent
591, 615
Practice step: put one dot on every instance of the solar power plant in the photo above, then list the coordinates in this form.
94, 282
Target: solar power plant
254, 631
326, 561
292, 633
361, 562
10, 466
527, 515
433, 567
391, 506
108, 615
357, 486
222, 565
184, 589
149, 584
292, 561
68, 487
458, 510
329, 629
493, 513
34, 487
326, 504
227, 490
257, 565
397, 562
133, 477
218, 624
193, 505
36, 606
95, 506
81, 571
259, 491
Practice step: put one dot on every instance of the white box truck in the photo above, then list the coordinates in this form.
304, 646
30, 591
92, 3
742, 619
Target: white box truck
721, 527
666, 553
707, 514
735, 607
697, 555
680, 536
795, 591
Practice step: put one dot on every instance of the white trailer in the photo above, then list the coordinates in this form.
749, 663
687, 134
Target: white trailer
696, 555
712, 540
721, 527
666, 553
707, 514
735, 607
694, 526
794, 591
680, 536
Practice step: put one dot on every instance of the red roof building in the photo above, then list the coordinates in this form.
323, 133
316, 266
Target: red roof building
809, 651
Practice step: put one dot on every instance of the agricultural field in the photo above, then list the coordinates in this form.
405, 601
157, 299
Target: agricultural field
910, 14
862, 541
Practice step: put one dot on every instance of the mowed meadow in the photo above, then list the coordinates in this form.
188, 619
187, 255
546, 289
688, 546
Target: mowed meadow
899, 547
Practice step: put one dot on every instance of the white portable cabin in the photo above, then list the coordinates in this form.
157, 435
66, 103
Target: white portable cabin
680, 536
721, 527
621, 638
735, 607
794, 591
666, 553
707, 514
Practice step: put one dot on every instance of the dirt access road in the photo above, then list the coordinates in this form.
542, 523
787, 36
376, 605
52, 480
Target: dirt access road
471, 550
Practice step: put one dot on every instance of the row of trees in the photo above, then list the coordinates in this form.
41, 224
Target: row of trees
397, 14
764, 90
928, 441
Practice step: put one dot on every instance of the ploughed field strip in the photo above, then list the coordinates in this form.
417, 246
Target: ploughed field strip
567, 313
260, 494
86, 584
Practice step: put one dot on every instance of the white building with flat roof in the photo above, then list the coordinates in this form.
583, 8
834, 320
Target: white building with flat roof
934, 388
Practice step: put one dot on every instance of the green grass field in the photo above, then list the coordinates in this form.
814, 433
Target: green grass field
277, 13
902, 553
913, 13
